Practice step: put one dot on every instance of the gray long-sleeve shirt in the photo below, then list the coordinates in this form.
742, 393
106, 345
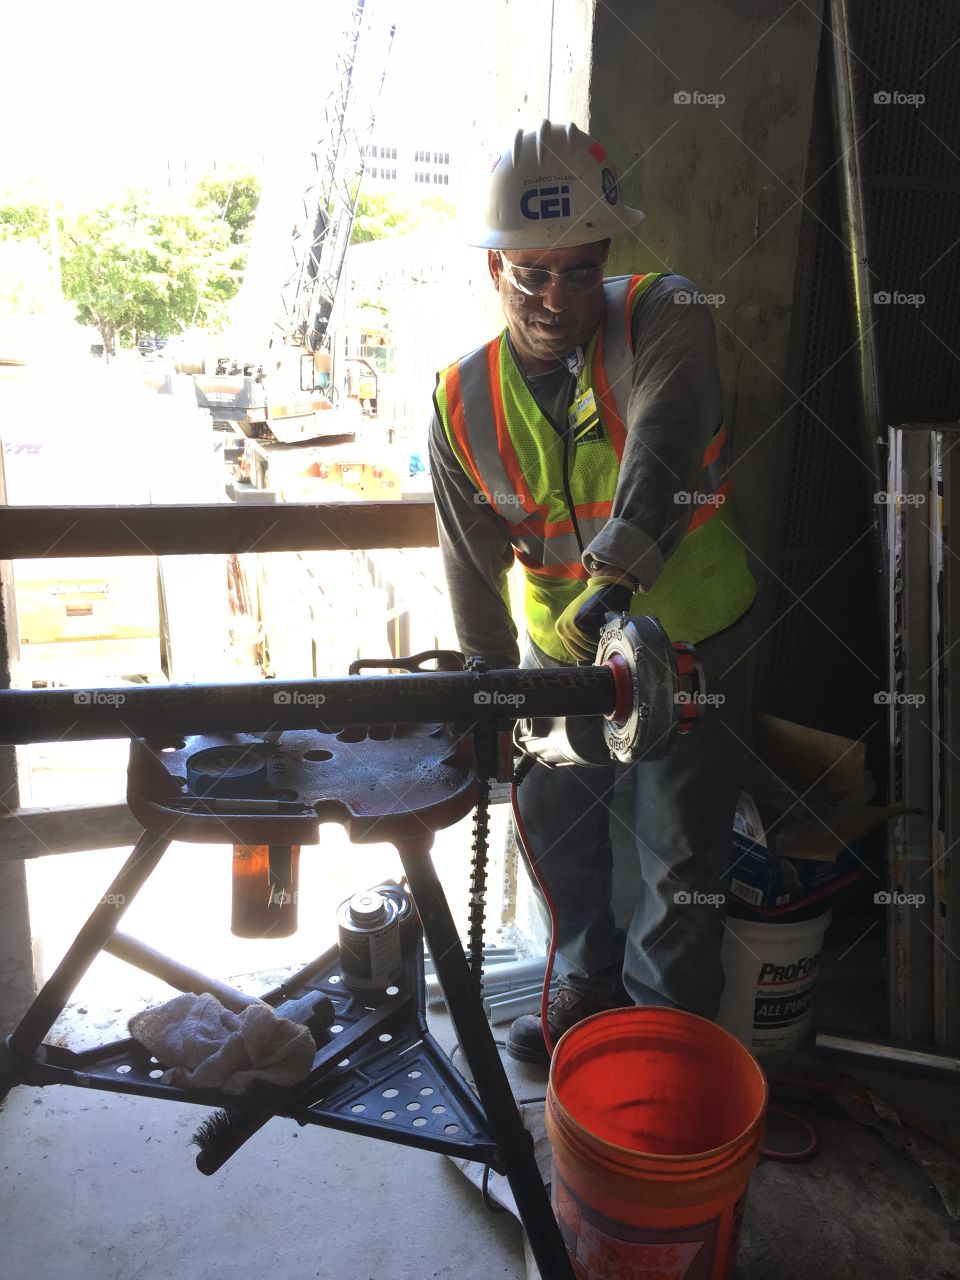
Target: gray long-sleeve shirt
673, 409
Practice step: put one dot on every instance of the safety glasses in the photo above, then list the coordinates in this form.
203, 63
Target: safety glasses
535, 281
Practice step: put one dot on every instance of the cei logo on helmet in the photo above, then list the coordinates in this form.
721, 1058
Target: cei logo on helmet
554, 202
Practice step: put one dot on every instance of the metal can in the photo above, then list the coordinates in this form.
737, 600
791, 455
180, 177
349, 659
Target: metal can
369, 928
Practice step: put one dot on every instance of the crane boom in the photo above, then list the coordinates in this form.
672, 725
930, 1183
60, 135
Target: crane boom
271, 389
330, 200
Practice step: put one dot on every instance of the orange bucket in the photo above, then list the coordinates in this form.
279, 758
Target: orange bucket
655, 1117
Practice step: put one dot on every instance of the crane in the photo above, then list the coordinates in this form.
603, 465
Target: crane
277, 385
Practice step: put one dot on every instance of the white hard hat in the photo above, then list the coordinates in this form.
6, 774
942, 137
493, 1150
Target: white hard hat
554, 186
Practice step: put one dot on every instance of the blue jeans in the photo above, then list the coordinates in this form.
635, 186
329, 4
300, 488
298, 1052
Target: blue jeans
680, 822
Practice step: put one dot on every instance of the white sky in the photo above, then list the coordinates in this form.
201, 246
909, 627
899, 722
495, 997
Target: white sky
94, 97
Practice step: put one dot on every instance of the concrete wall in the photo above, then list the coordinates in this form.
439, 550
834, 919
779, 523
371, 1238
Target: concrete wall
718, 179
719, 183
19, 960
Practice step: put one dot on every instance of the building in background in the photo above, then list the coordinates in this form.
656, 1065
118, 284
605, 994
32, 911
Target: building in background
181, 173
397, 164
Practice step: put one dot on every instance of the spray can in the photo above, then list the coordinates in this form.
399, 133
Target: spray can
369, 928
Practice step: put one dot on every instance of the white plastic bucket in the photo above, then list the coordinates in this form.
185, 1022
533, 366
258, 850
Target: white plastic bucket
771, 972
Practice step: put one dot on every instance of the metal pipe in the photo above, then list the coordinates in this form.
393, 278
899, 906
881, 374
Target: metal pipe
875, 1053
179, 976
505, 1010
506, 973
464, 697
847, 135
87, 945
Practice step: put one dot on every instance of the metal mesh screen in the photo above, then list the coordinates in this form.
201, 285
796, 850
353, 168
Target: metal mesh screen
824, 658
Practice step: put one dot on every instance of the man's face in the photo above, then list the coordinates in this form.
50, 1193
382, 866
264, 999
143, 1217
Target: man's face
547, 326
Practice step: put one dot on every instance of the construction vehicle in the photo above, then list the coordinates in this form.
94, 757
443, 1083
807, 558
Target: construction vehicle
278, 388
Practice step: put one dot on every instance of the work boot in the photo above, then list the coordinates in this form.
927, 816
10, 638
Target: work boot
525, 1041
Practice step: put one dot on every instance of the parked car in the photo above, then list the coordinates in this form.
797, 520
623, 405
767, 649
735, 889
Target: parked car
151, 345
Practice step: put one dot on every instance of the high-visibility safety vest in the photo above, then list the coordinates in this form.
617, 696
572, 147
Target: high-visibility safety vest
556, 493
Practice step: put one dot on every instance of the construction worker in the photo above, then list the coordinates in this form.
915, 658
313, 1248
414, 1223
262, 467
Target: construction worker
586, 441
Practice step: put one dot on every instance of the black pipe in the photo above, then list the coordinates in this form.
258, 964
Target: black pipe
462, 697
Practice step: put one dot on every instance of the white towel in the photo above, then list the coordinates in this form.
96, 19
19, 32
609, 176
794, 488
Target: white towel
205, 1046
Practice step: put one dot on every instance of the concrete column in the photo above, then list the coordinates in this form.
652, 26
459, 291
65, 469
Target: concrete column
18, 967
19, 963
707, 113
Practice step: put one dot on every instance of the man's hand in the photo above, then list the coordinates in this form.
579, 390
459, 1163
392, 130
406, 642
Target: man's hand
580, 623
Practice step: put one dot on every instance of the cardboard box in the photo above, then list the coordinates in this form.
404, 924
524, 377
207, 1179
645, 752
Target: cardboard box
771, 884
805, 803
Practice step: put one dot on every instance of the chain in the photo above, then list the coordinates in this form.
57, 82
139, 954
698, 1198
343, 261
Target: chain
478, 880
484, 748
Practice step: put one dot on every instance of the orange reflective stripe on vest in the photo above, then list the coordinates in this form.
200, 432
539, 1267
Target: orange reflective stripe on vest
517, 459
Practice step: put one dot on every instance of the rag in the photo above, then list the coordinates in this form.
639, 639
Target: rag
203, 1045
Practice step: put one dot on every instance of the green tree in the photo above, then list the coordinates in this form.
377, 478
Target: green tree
377, 216
233, 198
381, 214
134, 268
25, 220
144, 265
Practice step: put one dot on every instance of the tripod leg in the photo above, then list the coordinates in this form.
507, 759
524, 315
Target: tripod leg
89, 942
476, 1040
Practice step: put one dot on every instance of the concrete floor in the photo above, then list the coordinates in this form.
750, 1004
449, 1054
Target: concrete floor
103, 1187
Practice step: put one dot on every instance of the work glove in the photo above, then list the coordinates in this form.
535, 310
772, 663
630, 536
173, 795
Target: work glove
580, 623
